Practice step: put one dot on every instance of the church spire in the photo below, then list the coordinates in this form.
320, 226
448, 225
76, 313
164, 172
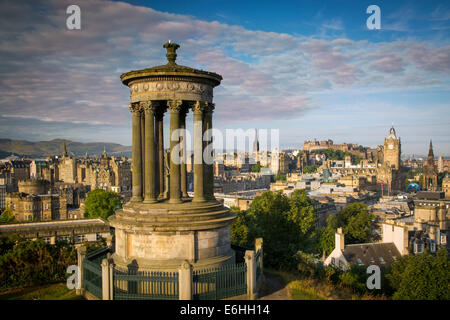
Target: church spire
430, 153
256, 142
64, 150
104, 155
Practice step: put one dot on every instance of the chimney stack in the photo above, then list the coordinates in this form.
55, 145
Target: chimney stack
339, 239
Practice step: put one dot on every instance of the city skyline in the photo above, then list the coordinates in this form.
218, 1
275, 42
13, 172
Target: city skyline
310, 70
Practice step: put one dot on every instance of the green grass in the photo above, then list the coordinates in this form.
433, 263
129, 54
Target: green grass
56, 291
304, 288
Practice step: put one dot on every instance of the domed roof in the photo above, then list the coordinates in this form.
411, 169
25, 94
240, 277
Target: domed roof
170, 69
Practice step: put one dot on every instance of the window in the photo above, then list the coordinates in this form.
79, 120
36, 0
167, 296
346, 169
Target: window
418, 246
381, 260
359, 261
432, 246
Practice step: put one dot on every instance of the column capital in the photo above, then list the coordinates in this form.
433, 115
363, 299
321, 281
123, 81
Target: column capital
209, 107
134, 107
175, 106
199, 106
148, 106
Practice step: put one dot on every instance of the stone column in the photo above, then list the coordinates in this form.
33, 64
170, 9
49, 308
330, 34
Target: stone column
259, 247
149, 180
160, 147
175, 190
136, 153
185, 281
81, 255
251, 274
199, 195
209, 169
105, 280
184, 193
142, 150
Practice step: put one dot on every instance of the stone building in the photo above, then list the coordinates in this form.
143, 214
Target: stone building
310, 146
430, 173
67, 167
389, 174
446, 186
107, 173
34, 202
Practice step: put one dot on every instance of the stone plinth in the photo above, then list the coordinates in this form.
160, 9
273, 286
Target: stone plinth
163, 235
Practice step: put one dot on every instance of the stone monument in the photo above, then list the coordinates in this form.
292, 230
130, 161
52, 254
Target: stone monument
159, 230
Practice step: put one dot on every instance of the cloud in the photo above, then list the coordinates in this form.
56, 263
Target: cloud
50, 73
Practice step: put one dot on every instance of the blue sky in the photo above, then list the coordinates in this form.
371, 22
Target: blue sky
311, 69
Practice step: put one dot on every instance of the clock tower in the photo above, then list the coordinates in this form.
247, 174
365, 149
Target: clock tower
392, 150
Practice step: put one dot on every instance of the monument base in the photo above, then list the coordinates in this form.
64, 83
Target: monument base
160, 236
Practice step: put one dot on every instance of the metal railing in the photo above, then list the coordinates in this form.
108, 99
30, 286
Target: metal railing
92, 277
220, 282
144, 285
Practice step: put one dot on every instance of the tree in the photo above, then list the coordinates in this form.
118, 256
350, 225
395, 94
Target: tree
356, 223
101, 203
284, 223
25, 263
240, 228
421, 277
310, 169
7, 216
256, 168
280, 177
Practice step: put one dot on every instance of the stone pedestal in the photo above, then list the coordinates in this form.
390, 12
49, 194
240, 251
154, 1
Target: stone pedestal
162, 235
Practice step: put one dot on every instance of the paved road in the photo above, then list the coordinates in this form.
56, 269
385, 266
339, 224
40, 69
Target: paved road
275, 289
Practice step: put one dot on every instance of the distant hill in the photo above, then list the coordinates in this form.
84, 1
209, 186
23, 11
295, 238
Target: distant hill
55, 147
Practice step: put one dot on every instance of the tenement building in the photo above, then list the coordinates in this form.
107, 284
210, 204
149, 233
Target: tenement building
34, 202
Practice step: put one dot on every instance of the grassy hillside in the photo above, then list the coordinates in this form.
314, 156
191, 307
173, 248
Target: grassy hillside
56, 291
54, 147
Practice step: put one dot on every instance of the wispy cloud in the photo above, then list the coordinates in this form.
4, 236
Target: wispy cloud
52, 74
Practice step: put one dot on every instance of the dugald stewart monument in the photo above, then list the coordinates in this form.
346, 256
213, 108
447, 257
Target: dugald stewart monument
162, 226
168, 245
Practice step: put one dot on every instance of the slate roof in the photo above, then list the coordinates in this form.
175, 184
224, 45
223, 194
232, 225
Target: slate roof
381, 254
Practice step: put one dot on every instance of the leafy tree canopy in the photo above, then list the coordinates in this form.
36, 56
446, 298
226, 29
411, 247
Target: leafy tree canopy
101, 203
421, 277
280, 177
356, 223
7, 216
284, 223
310, 169
256, 168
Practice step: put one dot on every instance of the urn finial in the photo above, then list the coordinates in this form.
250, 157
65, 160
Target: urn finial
171, 48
